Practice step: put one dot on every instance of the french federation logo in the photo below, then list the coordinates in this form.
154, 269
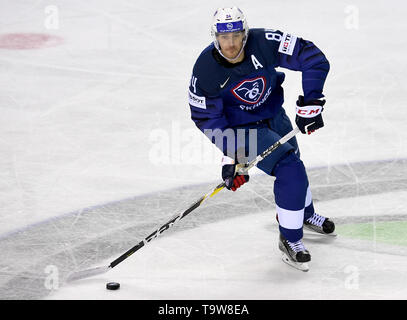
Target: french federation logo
251, 90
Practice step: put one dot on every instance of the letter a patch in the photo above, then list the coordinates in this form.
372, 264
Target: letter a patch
256, 62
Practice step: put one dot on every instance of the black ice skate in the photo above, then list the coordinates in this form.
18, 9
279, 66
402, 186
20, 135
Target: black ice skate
320, 224
294, 253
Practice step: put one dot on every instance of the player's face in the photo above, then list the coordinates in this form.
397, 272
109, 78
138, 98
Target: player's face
230, 43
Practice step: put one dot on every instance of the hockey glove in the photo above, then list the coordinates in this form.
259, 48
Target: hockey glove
232, 181
308, 113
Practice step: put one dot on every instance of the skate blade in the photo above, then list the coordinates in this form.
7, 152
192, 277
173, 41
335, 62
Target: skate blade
303, 266
333, 234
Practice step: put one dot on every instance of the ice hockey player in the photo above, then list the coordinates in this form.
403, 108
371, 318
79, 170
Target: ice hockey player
235, 86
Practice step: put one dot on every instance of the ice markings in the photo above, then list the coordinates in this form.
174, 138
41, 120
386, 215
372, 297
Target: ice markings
38, 259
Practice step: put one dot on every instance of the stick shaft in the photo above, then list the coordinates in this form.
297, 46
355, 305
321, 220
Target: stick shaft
269, 150
178, 217
170, 223
166, 226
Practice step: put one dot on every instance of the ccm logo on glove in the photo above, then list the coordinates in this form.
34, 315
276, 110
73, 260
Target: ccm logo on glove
309, 111
309, 114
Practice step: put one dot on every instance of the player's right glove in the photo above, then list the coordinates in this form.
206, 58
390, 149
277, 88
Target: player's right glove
308, 114
232, 181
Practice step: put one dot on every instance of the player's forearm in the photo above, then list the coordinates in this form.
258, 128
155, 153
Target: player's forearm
218, 131
224, 138
315, 67
313, 64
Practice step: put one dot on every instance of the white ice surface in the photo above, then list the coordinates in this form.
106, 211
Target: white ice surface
80, 122
239, 259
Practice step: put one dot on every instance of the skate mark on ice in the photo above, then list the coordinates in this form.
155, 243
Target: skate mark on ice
84, 238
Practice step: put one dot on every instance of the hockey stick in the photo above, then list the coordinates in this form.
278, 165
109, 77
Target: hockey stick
242, 170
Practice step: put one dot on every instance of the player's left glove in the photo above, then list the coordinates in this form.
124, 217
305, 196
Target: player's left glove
308, 113
232, 181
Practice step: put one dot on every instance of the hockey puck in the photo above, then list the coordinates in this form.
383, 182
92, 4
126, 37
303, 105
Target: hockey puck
112, 285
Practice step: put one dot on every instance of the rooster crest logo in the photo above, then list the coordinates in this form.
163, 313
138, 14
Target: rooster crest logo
250, 91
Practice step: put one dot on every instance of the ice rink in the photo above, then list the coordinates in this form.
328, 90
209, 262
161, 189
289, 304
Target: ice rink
98, 150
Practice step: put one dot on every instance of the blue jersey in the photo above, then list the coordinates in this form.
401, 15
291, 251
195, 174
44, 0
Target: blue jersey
223, 95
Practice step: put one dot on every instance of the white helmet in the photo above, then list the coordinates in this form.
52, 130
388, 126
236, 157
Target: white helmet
229, 20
